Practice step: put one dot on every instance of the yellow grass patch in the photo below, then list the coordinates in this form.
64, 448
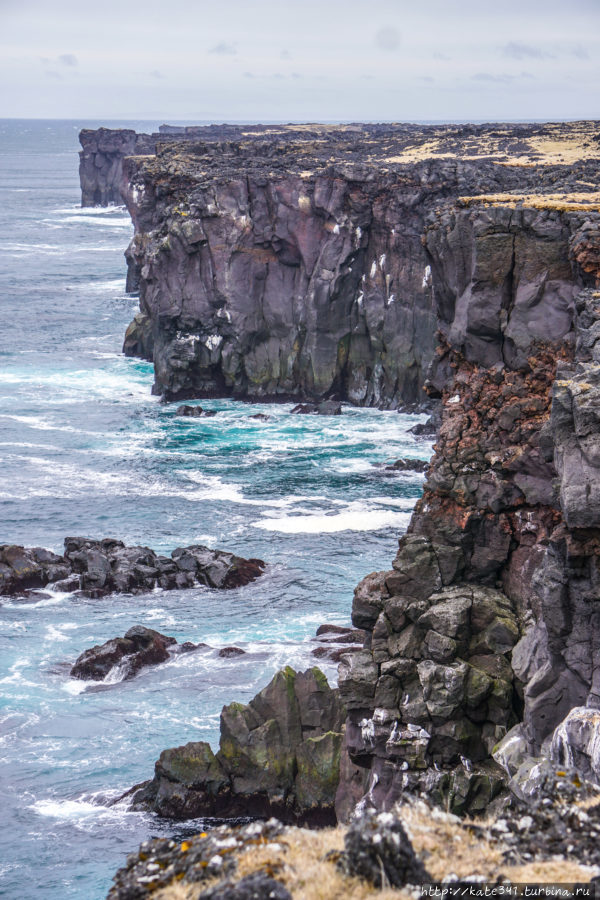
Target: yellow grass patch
561, 202
445, 844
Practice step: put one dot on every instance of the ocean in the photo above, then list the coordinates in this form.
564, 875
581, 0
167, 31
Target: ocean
87, 450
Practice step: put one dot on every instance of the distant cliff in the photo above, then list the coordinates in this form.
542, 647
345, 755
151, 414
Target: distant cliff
290, 268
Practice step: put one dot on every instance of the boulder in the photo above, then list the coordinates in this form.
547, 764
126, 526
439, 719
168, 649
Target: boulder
408, 465
139, 647
378, 849
194, 412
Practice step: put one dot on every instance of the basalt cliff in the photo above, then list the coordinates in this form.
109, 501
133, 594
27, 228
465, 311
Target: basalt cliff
363, 266
289, 262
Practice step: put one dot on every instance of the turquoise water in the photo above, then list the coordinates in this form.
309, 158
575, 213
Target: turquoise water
86, 450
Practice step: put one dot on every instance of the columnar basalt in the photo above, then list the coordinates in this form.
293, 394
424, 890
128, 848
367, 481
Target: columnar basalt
487, 617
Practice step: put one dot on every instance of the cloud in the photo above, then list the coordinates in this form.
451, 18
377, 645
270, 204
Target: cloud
156, 74
489, 76
519, 50
68, 59
224, 49
387, 38
297, 75
248, 74
579, 52
51, 73
439, 55
426, 78
278, 76
285, 54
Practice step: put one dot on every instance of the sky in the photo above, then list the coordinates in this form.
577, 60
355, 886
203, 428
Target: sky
300, 60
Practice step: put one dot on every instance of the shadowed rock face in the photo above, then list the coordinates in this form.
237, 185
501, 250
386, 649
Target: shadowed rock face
279, 755
287, 262
486, 618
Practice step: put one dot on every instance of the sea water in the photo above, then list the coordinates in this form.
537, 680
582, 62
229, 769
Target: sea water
87, 450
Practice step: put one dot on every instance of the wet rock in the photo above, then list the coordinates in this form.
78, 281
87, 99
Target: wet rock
229, 652
262, 417
408, 465
280, 754
107, 566
325, 408
139, 339
23, 568
194, 412
139, 647
378, 849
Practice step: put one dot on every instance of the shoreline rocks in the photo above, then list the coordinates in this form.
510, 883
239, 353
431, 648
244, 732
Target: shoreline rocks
278, 755
100, 567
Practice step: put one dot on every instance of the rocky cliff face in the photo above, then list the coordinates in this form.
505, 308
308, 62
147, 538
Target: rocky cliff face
101, 162
281, 269
488, 615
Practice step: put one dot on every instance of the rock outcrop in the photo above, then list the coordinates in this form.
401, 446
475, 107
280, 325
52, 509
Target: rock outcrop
139, 647
279, 755
108, 566
488, 616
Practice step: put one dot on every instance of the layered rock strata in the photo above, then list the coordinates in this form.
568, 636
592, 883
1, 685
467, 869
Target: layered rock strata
279, 755
108, 566
488, 616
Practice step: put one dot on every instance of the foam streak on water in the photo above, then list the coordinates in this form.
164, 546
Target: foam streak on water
86, 449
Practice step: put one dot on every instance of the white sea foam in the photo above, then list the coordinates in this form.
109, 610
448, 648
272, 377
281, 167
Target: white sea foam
74, 686
349, 520
120, 222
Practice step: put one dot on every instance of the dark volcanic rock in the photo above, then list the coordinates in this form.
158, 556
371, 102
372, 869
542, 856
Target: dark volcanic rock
278, 755
379, 850
108, 566
161, 861
325, 408
194, 411
229, 652
140, 647
258, 886
485, 619
408, 465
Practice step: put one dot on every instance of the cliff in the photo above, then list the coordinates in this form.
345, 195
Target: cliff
488, 617
287, 262
366, 262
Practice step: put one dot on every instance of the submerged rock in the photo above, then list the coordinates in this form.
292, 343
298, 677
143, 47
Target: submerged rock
279, 755
101, 567
138, 648
408, 465
195, 412
325, 408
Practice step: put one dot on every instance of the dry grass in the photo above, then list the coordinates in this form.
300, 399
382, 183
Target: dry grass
445, 844
587, 202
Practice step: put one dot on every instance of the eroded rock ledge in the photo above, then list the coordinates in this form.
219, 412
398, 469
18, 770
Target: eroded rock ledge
108, 566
